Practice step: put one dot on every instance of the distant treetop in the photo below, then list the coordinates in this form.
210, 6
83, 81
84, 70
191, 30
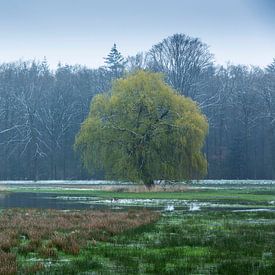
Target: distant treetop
115, 62
271, 67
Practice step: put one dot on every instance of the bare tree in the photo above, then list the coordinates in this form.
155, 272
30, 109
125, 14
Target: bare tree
136, 62
183, 60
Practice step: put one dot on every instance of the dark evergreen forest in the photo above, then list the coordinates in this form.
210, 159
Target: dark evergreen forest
41, 110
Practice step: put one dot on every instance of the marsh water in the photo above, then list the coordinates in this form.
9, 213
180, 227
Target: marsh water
38, 200
60, 200
81, 202
50, 200
68, 202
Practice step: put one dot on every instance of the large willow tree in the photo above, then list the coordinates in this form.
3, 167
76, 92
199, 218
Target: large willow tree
143, 130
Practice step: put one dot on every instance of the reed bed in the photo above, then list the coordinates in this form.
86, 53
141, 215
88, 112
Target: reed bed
48, 233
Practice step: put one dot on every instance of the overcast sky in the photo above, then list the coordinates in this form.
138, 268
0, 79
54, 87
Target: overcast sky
83, 31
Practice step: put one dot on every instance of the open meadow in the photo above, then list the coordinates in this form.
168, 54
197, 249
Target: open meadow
207, 227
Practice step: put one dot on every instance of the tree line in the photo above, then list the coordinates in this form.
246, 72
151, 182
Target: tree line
41, 110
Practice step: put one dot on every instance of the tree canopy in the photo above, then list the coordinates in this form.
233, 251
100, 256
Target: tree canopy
143, 130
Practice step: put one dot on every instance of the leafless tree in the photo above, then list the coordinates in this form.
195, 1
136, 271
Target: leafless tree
183, 60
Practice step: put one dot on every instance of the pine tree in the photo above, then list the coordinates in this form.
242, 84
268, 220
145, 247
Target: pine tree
115, 62
271, 67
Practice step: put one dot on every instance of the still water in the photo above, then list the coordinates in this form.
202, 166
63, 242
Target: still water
44, 200
65, 202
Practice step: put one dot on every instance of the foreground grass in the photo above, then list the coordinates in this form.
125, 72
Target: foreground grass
28, 235
211, 241
198, 243
137, 242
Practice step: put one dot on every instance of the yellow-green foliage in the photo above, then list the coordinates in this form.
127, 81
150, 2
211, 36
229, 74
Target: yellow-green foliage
143, 130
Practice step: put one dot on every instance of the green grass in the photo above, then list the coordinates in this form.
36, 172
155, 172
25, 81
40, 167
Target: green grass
199, 243
211, 241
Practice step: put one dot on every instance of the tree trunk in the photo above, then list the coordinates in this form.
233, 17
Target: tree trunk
149, 183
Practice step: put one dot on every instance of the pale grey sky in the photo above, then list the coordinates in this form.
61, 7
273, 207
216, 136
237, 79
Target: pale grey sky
83, 31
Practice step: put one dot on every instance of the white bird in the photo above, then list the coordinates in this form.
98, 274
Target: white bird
194, 207
169, 208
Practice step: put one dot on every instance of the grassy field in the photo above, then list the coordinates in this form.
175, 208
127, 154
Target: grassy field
231, 232
29, 236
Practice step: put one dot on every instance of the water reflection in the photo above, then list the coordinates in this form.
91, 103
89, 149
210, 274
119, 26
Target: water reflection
72, 202
37, 200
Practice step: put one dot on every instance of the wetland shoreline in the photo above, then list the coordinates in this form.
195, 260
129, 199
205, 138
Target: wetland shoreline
199, 229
